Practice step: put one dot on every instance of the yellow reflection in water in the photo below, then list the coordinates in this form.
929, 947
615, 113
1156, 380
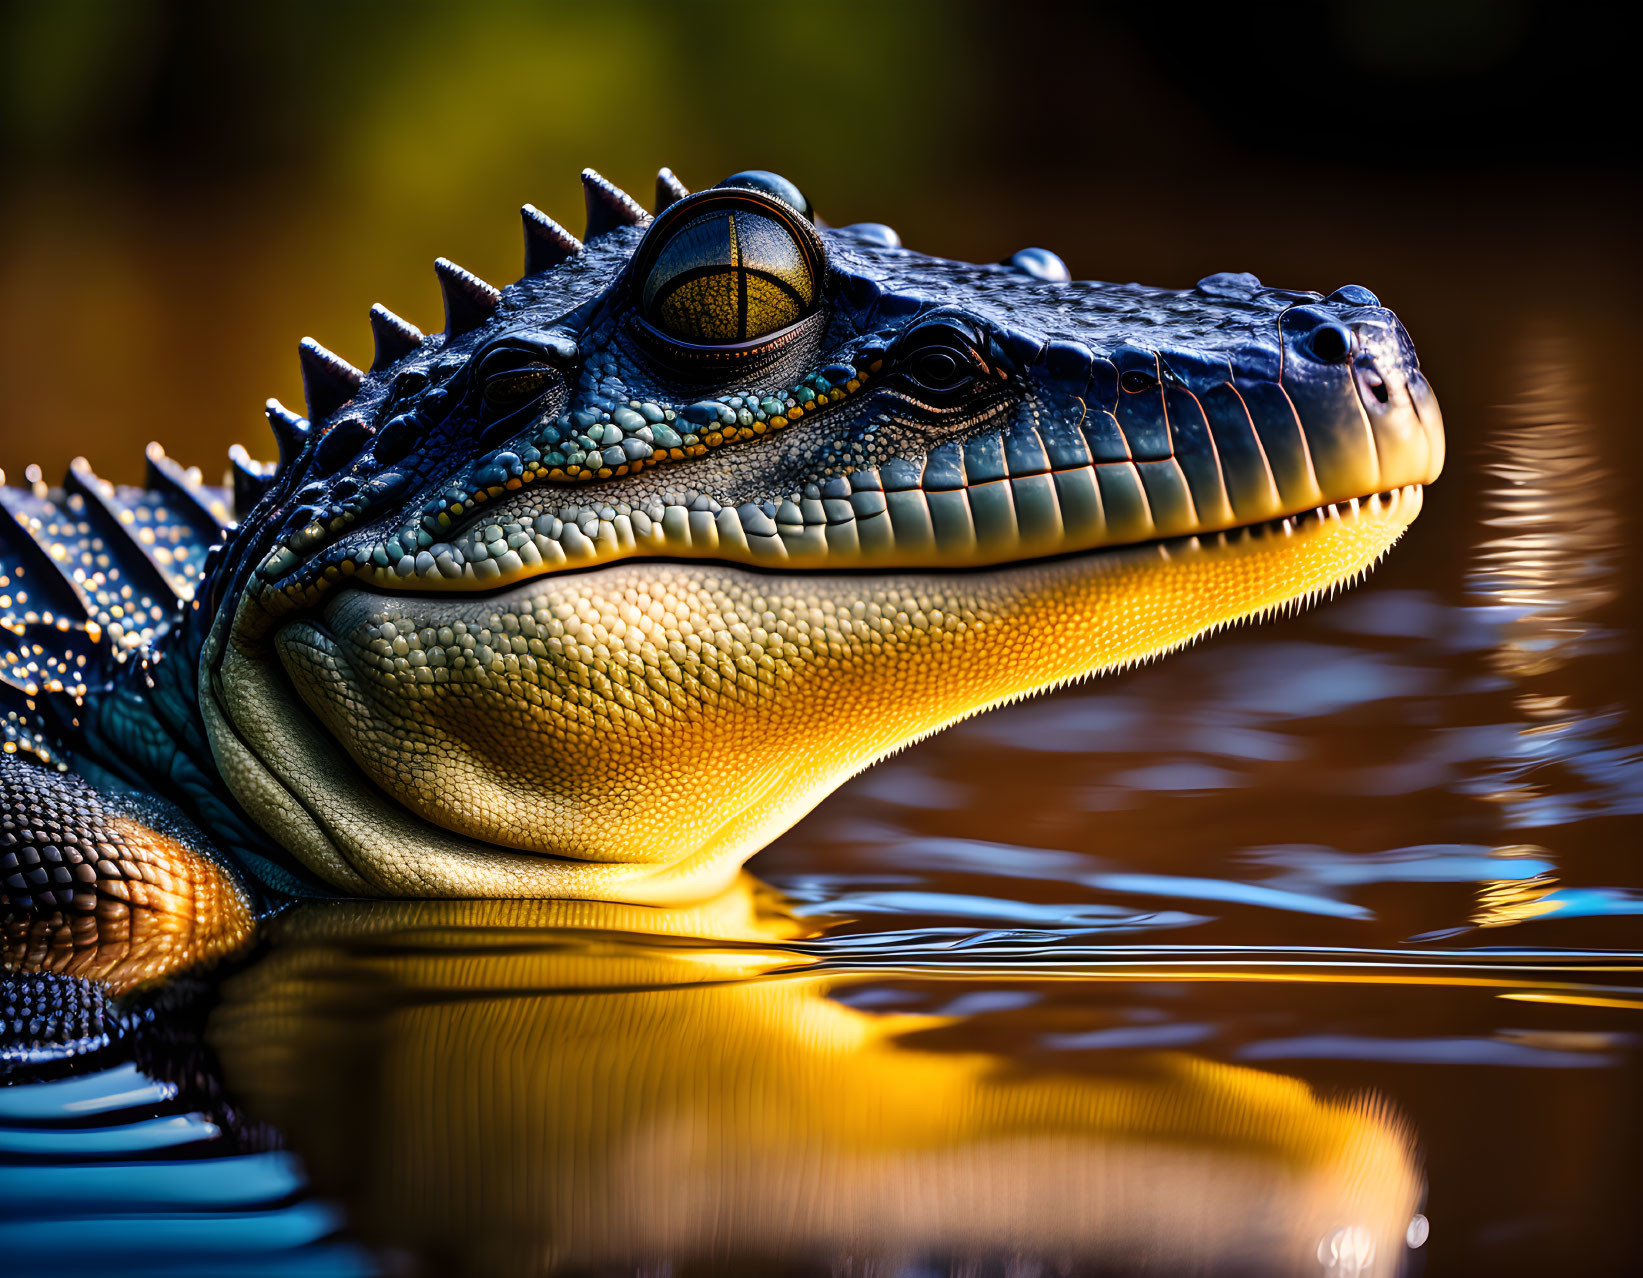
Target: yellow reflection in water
1575, 1000
498, 1087
1503, 902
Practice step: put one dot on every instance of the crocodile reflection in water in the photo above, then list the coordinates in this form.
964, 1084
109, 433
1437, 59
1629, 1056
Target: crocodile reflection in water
534, 1085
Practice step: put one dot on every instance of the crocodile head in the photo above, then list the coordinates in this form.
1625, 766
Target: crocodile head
602, 589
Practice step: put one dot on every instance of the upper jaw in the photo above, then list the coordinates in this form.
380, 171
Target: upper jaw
1166, 462
1079, 450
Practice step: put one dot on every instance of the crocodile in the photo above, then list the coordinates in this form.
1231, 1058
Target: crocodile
598, 591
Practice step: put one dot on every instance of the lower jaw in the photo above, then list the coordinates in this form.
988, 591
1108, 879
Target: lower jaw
1092, 613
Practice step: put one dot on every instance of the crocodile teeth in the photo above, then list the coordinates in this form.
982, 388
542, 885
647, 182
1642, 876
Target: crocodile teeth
546, 242
395, 338
328, 380
469, 301
609, 207
862, 520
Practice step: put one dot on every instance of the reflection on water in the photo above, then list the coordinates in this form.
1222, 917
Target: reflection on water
1545, 572
1550, 564
1271, 958
611, 1104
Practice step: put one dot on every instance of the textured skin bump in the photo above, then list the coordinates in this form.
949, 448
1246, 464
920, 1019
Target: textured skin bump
89, 890
645, 728
45, 1014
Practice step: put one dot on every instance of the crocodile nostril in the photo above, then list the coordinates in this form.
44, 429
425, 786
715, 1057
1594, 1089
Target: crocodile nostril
1330, 343
1136, 381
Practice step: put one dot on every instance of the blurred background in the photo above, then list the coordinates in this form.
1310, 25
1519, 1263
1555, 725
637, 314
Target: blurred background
187, 189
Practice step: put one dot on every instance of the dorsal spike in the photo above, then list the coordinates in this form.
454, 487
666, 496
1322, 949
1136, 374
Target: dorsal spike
546, 242
290, 431
609, 207
104, 510
252, 479
188, 496
23, 534
328, 380
469, 301
395, 338
668, 189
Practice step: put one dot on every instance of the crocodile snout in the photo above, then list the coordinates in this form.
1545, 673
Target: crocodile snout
1351, 371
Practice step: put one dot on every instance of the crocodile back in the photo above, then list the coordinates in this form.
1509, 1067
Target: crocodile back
92, 574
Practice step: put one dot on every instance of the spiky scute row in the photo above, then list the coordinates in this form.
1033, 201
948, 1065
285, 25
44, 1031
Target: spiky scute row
89, 573
329, 381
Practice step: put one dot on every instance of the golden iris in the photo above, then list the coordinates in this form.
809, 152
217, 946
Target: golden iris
729, 275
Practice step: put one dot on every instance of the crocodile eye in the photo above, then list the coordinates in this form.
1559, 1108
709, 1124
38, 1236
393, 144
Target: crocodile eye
728, 268
939, 359
509, 390
510, 377
939, 370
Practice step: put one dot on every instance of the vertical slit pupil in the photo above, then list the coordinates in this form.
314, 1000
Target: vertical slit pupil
741, 281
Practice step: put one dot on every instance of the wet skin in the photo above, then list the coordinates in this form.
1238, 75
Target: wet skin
596, 593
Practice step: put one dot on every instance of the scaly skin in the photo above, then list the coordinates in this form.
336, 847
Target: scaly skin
149, 900
763, 691
602, 589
